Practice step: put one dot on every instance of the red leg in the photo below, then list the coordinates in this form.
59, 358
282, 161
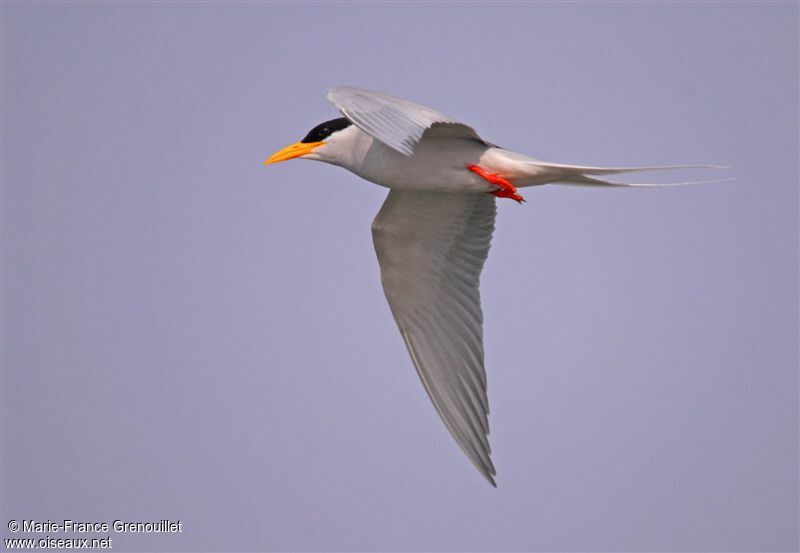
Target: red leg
506, 190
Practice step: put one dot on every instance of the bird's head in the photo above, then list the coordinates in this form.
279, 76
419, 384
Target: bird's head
320, 143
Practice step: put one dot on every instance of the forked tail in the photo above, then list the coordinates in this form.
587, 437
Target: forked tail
583, 180
578, 175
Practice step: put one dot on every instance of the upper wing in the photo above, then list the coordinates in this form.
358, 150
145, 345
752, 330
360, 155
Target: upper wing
397, 123
431, 248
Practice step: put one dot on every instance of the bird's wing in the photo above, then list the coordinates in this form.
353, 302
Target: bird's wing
431, 248
397, 123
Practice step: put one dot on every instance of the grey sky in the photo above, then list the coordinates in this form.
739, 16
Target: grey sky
187, 334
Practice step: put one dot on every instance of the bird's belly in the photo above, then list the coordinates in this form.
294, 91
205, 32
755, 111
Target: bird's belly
435, 166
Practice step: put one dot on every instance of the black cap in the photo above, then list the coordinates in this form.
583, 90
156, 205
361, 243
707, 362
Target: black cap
324, 130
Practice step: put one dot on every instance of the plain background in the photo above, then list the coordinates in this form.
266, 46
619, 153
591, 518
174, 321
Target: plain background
187, 334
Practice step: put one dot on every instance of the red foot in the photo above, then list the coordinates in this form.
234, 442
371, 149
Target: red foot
506, 190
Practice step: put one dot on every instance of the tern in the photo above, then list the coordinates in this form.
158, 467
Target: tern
433, 232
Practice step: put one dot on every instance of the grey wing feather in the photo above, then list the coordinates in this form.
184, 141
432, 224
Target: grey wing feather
397, 123
431, 249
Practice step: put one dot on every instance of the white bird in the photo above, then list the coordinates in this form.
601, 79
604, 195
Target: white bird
433, 232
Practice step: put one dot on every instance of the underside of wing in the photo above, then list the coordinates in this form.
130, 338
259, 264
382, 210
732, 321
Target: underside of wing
431, 248
396, 122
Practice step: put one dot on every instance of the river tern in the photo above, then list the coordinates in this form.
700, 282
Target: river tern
433, 232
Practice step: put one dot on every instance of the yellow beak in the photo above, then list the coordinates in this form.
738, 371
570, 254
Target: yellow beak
295, 150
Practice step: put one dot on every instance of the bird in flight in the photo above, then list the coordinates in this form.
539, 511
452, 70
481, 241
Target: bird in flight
433, 232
